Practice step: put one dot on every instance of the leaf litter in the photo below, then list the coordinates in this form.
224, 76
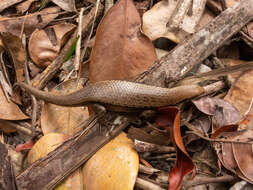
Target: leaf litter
124, 48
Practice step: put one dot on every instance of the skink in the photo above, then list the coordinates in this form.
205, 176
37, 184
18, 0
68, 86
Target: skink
120, 93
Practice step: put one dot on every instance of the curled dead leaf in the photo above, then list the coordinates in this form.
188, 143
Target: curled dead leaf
9, 110
170, 116
45, 46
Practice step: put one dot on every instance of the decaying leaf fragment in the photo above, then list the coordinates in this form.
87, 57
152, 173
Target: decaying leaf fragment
156, 21
120, 51
9, 110
7, 3
30, 22
236, 157
16, 50
241, 94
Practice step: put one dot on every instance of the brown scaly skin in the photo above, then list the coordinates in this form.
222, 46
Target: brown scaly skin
120, 93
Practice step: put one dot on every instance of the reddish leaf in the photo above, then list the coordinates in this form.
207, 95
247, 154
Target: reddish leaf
120, 51
184, 164
227, 128
26, 146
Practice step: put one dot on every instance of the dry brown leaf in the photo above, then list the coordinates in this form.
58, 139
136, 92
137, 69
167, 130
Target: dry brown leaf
42, 50
228, 157
224, 112
7, 3
5, 127
120, 51
24, 6
62, 119
237, 157
115, 166
30, 22
156, 19
241, 92
16, 50
155, 22
45, 145
9, 110
243, 153
67, 5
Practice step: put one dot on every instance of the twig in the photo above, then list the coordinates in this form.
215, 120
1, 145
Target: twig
207, 180
141, 146
18, 127
78, 44
144, 184
147, 170
35, 106
91, 31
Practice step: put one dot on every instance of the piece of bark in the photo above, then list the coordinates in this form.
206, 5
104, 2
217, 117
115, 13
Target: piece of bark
7, 178
69, 156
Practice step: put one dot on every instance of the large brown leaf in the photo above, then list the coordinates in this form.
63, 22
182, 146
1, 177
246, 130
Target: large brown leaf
120, 51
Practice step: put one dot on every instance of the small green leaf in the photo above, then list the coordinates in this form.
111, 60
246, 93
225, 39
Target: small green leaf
72, 49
